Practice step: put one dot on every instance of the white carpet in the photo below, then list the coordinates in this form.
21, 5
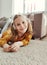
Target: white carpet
33, 54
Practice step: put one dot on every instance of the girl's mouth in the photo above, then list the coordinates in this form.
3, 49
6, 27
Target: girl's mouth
21, 29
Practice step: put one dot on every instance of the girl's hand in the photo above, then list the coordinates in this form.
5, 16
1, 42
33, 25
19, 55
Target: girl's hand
6, 47
15, 47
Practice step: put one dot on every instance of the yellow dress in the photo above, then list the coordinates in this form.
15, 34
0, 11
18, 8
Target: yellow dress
8, 36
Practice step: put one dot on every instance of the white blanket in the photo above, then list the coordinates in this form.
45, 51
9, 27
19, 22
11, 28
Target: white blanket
33, 54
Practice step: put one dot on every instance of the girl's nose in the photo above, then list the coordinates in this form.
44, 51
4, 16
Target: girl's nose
22, 26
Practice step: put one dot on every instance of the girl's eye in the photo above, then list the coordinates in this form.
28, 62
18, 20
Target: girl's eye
18, 24
23, 22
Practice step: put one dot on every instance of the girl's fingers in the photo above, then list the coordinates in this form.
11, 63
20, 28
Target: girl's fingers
15, 48
6, 49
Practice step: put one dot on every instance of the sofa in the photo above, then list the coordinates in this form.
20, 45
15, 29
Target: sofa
4, 24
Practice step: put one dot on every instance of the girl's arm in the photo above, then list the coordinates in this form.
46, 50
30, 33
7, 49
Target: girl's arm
17, 45
27, 39
6, 36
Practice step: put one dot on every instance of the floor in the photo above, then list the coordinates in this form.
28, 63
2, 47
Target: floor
43, 39
33, 54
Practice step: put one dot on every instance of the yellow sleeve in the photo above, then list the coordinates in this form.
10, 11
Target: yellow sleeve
27, 39
6, 36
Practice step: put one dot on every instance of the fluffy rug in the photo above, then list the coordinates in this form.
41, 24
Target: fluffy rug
33, 54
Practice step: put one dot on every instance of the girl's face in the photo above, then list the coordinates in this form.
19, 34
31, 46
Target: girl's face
21, 24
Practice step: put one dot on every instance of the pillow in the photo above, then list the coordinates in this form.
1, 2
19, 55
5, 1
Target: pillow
8, 22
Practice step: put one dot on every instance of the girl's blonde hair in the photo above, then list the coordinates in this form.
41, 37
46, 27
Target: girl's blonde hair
29, 24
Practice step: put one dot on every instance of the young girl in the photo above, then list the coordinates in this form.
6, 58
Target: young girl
19, 34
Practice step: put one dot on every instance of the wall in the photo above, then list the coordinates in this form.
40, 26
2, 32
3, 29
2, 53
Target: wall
46, 10
44, 24
0, 8
46, 5
6, 8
